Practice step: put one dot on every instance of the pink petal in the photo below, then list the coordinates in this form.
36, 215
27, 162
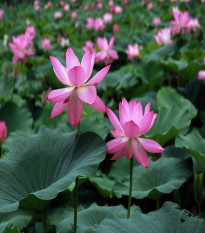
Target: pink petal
117, 155
145, 123
87, 94
86, 64
113, 54
131, 129
117, 133
98, 105
111, 43
59, 70
128, 150
113, 119
153, 120
124, 111
75, 109
150, 145
147, 108
71, 59
76, 76
140, 154
15, 59
58, 109
116, 145
60, 95
99, 76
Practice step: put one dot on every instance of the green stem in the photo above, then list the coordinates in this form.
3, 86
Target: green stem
44, 221
157, 204
22, 75
177, 197
78, 129
130, 190
34, 223
76, 205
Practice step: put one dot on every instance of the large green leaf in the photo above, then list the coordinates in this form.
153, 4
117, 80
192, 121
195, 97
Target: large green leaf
195, 144
162, 176
44, 164
168, 97
169, 122
16, 118
92, 218
169, 219
19, 218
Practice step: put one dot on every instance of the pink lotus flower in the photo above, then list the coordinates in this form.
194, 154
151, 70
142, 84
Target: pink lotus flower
180, 21
164, 36
156, 21
1, 14
133, 51
66, 7
107, 17
193, 24
30, 33
107, 54
46, 44
116, 28
99, 25
36, 5
48, 5
90, 23
57, 15
89, 46
20, 47
201, 73
128, 130
116, 9
3, 131
75, 76
74, 15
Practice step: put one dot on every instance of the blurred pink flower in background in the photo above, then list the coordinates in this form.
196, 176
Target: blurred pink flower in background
20, 47
133, 50
28, 22
74, 15
125, 2
46, 44
150, 6
88, 46
1, 14
57, 15
90, 23
201, 73
3, 131
133, 124
116, 28
116, 9
193, 24
156, 21
36, 5
107, 17
48, 5
106, 54
75, 75
164, 36
99, 25
31, 33
110, 3
180, 21
66, 7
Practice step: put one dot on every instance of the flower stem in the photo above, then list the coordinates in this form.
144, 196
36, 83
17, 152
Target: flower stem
76, 205
22, 75
78, 128
76, 193
44, 221
130, 190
